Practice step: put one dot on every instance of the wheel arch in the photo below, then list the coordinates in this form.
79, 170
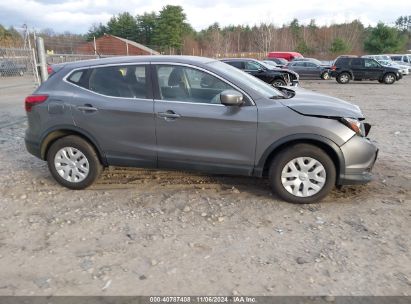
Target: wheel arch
327, 145
57, 132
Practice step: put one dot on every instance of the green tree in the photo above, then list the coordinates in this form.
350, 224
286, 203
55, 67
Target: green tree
170, 28
384, 39
339, 46
403, 23
146, 25
124, 25
96, 30
303, 48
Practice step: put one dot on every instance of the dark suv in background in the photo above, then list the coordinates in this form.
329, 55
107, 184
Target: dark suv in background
354, 68
272, 75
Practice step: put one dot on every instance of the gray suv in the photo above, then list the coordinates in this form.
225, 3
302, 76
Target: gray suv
193, 113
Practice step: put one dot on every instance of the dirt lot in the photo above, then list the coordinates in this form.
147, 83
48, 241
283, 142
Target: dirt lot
140, 232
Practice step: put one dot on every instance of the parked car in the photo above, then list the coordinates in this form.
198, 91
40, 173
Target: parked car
286, 55
269, 74
404, 69
10, 68
194, 113
377, 57
280, 62
271, 63
309, 69
402, 58
349, 68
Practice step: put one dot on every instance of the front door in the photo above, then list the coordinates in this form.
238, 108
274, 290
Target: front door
194, 130
372, 69
114, 104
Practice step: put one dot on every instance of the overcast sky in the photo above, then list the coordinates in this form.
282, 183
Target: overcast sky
77, 15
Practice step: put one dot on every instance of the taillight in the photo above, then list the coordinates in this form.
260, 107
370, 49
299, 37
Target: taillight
50, 70
333, 68
33, 100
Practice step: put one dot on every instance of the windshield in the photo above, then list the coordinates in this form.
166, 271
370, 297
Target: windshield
264, 64
246, 79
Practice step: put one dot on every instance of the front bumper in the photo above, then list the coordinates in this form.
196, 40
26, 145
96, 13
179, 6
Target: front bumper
360, 155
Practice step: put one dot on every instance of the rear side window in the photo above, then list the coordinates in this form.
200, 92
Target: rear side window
76, 76
237, 64
357, 62
128, 81
119, 81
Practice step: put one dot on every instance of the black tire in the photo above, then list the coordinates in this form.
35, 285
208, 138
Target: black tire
344, 78
380, 81
94, 166
280, 161
278, 83
389, 78
325, 75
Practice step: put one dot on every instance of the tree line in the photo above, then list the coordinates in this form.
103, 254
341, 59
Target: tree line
169, 32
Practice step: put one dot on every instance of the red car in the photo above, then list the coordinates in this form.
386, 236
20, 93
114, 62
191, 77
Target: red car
286, 55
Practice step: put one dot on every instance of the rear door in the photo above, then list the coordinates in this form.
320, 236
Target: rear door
114, 104
194, 130
357, 68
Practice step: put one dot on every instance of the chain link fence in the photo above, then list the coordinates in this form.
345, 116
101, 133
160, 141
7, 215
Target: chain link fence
18, 66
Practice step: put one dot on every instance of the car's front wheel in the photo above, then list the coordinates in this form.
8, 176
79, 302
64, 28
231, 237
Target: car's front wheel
389, 78
302, 173
278, 83
73, 162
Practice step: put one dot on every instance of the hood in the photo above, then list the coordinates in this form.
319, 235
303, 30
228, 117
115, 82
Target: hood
314, 104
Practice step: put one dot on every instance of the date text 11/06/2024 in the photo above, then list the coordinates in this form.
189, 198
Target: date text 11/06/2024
205, 299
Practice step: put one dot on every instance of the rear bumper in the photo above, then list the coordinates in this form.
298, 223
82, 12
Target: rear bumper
360, 155
32, 146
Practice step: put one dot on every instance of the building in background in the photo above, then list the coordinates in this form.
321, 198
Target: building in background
113, 45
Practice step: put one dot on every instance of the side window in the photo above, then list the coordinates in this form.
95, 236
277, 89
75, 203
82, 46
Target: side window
76, 76
371, 63
179, 83
311, 65
357, 62
252, 66
236, 64
119, 81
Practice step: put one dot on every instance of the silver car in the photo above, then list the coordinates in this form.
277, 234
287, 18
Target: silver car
194, 113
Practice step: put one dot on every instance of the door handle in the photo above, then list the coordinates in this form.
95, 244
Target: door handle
169, 114
86, 108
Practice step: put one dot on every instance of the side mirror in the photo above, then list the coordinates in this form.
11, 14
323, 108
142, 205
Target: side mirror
231, 98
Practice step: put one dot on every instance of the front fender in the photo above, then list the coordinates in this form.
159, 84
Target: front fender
302, 137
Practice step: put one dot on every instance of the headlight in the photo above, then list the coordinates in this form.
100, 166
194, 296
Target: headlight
354, 125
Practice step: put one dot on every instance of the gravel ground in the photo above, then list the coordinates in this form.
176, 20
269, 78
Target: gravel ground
148, 232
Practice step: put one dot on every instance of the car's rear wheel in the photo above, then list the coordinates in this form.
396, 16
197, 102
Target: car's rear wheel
302, 173
278, 83
73, 162
344, 78
325, 75
389, 78
21, 73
